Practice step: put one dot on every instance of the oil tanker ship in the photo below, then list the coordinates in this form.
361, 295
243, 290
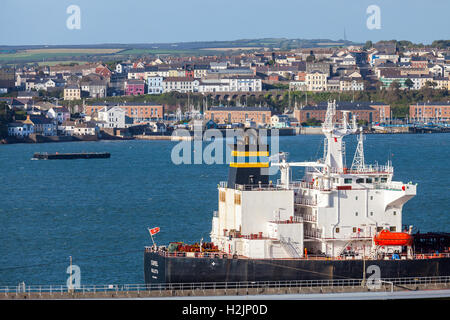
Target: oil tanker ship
335, 223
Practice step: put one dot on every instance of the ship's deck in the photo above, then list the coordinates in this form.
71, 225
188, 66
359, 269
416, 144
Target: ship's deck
224, 255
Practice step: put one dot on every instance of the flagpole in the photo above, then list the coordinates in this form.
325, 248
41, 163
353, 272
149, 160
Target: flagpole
154, 244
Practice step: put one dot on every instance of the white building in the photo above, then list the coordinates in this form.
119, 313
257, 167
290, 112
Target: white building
180, 84
214, 85
279, 121
155, 85
59, 114
20, 129
112, 117
245, 84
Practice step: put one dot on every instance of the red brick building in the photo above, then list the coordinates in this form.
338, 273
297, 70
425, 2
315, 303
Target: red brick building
221, 115
367, 111
137, 111
430, 111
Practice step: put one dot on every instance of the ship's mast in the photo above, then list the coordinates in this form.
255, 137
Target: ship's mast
358, 160
334, 133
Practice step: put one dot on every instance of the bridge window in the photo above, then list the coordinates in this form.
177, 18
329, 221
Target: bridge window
369, 180
348, 180
383, 180
360, 180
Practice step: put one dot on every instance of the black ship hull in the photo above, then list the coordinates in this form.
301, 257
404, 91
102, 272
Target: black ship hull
164, 269
69, 156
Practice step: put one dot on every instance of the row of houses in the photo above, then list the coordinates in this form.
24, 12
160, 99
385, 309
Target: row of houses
369, 112
263, 116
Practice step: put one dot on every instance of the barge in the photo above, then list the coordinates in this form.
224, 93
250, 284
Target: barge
70, 156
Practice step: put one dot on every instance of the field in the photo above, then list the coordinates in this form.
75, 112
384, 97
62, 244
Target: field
61, 54
234, 48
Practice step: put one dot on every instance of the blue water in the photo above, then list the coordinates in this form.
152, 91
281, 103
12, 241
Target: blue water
98, 211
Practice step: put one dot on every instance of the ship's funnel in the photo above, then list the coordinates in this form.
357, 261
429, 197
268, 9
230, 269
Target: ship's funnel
248, 159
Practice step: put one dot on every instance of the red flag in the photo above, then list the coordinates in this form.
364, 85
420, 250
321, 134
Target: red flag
154, 231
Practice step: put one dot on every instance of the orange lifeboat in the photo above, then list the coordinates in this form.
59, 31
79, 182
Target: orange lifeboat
387, 238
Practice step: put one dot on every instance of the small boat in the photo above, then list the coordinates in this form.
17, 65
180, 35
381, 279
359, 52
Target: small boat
62, 156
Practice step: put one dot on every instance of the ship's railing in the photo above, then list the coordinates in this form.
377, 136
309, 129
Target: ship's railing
303, 201
223, 184
314, 233
90, 290
307, 185
258, 187
309, 218
368, 169
183, 254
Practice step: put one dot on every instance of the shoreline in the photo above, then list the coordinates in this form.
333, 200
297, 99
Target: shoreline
56, 139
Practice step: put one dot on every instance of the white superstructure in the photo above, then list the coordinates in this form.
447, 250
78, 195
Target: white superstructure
333, 211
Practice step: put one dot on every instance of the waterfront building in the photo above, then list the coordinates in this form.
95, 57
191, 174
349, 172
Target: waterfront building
20, 129
111, 117
139, 111
367, 111
43, 125
221, 115
436, 111
279, 121
85, 129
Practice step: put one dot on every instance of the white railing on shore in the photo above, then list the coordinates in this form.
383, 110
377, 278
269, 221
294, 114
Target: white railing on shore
136, 288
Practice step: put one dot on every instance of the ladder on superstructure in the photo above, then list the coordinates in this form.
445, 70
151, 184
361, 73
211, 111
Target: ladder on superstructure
290, 247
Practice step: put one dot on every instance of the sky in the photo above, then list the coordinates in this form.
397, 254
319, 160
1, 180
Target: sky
44, 22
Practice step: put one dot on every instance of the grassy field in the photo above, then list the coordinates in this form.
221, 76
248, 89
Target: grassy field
61, 54
173, 52
55, 63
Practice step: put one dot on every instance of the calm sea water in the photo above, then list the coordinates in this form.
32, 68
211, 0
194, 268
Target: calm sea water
98, 211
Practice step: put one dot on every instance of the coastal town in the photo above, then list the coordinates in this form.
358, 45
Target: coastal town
286, 90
